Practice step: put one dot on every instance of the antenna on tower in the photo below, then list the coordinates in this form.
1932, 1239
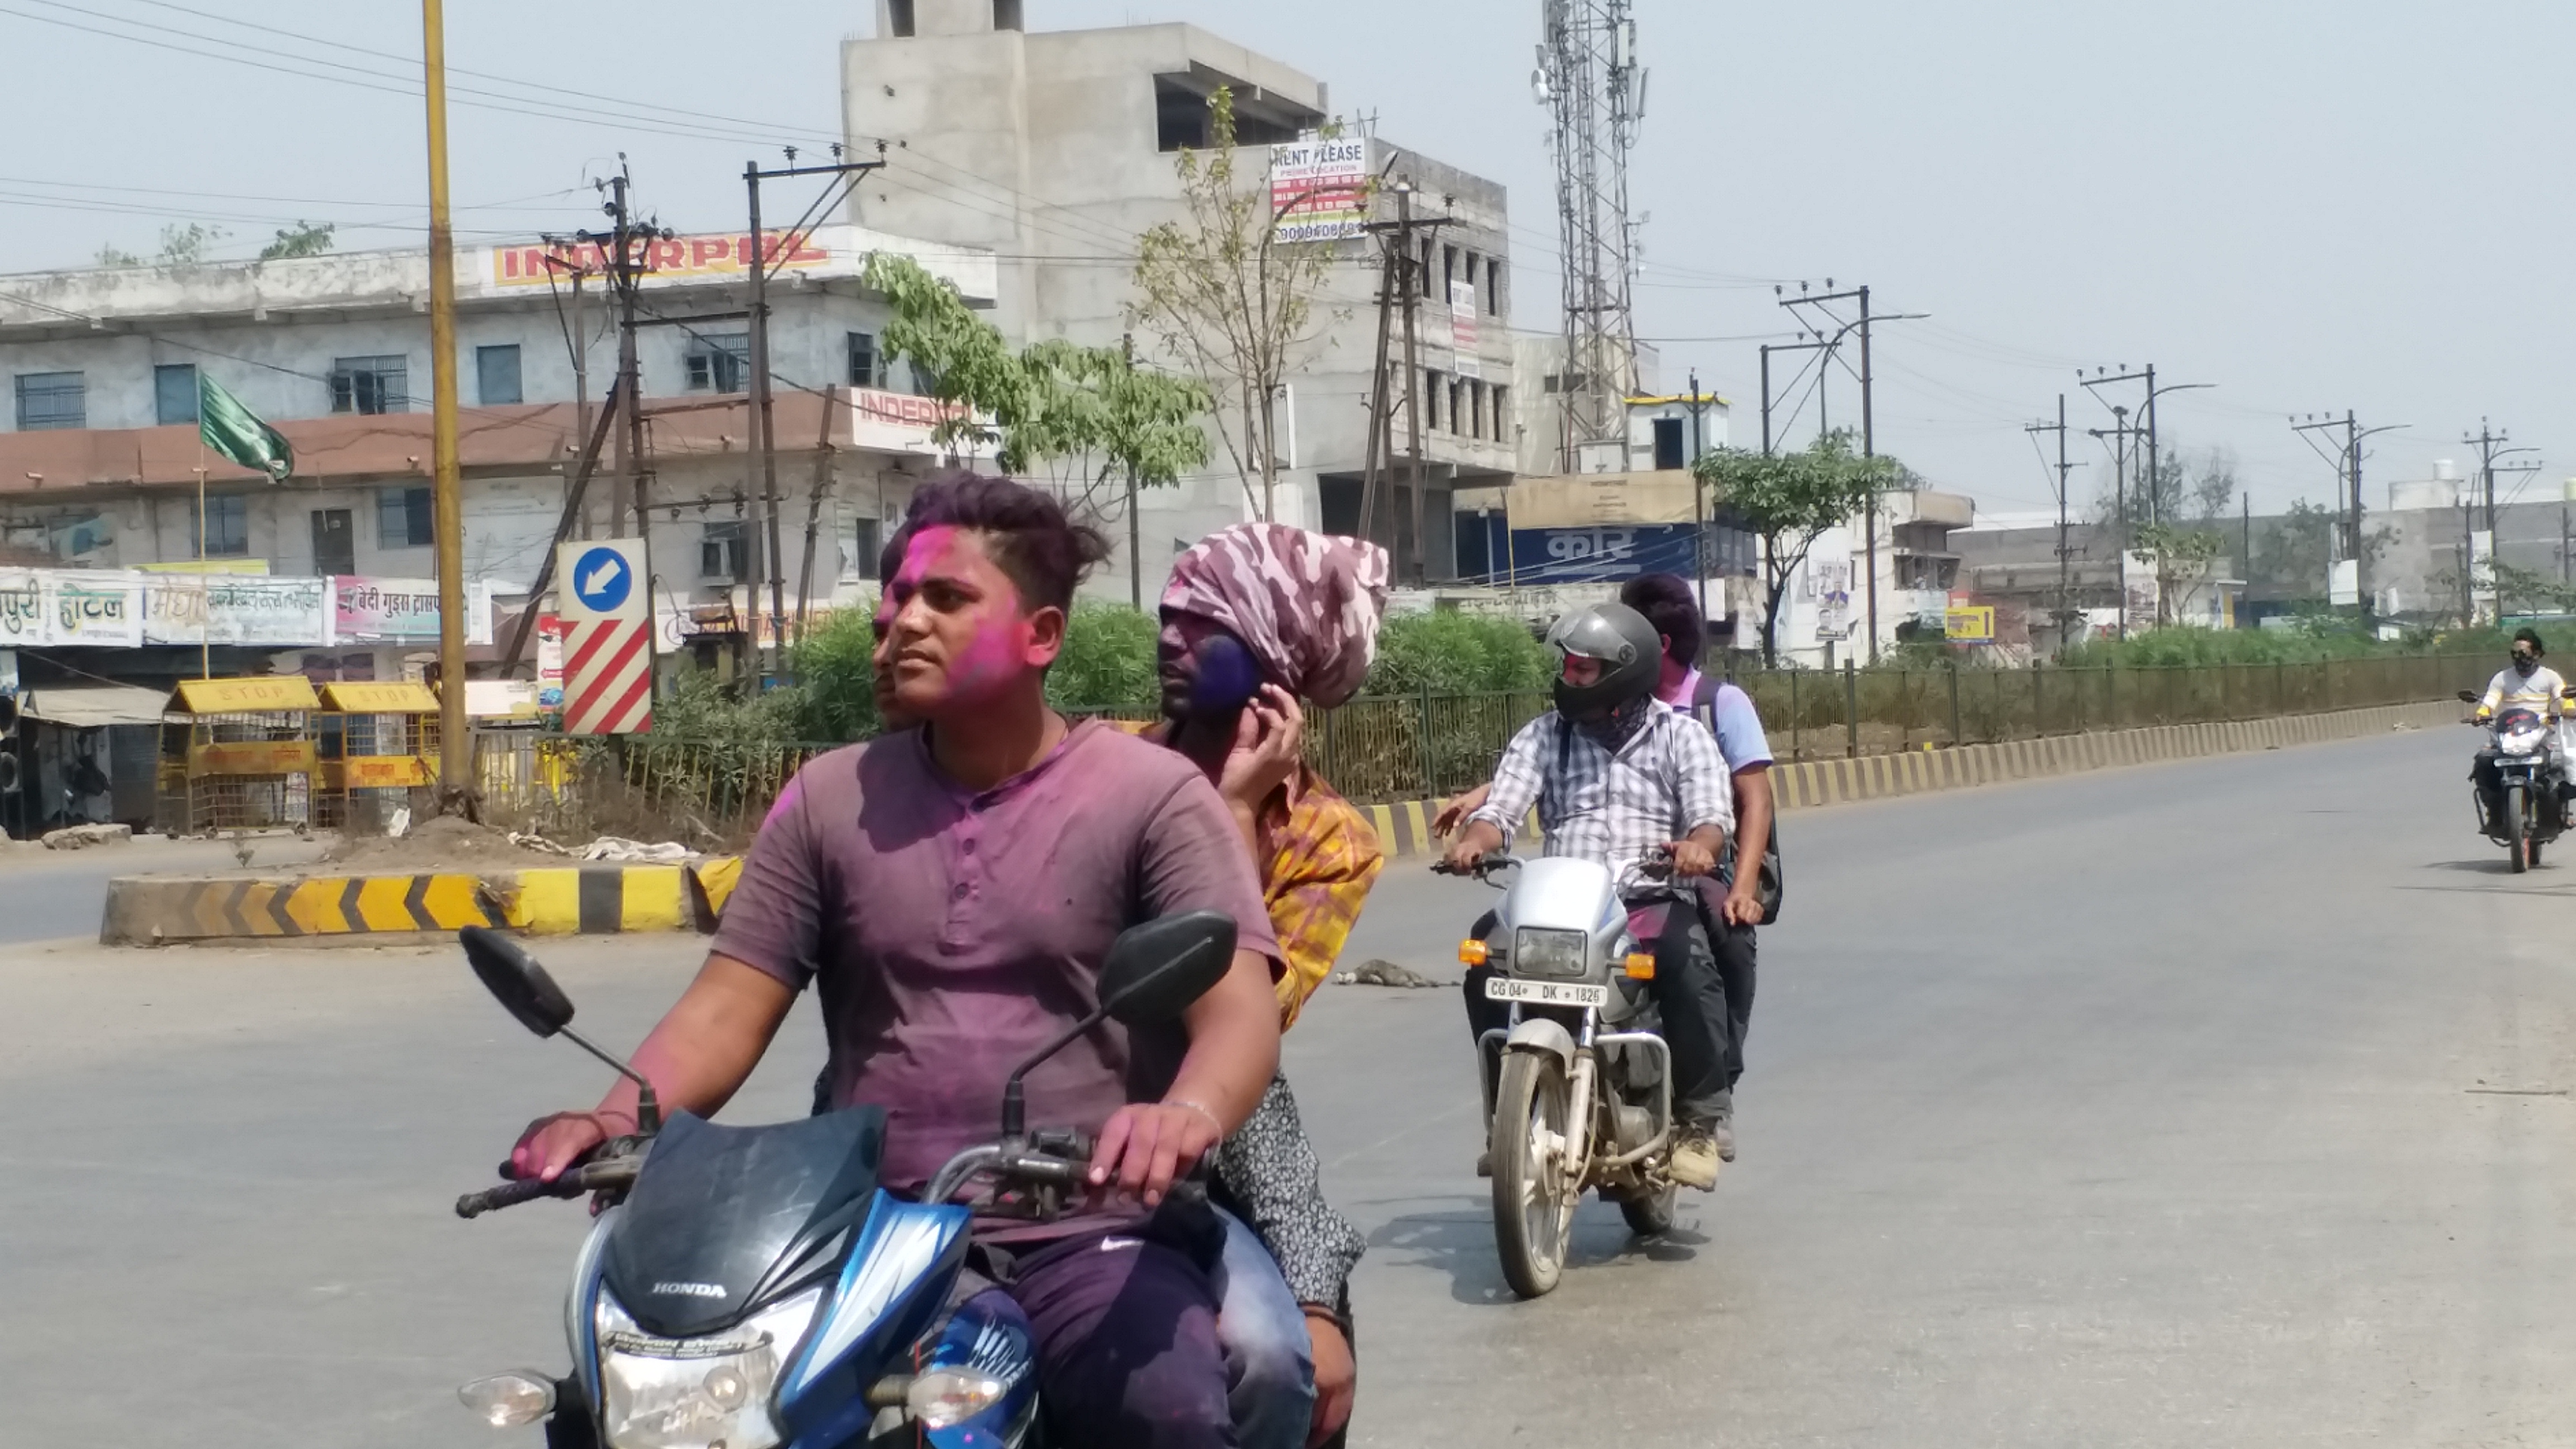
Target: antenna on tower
1594, 88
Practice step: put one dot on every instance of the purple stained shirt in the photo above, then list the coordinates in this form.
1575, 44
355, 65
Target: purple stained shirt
952, 933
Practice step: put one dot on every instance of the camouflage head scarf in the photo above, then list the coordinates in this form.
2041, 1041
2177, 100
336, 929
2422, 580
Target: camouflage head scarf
1305, 604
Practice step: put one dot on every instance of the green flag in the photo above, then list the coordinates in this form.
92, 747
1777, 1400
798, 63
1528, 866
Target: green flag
237, 433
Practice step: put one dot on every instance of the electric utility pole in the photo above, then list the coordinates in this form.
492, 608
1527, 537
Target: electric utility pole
2065, 552
766, 257
447, 481
1404, 265
2120, 433
2346, 458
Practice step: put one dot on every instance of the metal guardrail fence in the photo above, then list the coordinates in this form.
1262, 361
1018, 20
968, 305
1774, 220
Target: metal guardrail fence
1392, 747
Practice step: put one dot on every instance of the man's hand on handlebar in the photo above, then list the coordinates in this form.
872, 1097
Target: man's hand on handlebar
1478, 840
552, 1144
1145, 1146
1691, 859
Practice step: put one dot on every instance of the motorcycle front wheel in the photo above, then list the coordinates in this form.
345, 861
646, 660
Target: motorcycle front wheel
1650, 1216
2518, 826
1533, 1218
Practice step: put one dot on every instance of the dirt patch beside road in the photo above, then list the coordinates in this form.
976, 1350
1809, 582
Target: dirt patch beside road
442, 842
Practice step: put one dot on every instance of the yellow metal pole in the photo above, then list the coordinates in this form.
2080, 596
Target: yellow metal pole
447, 486
205, 649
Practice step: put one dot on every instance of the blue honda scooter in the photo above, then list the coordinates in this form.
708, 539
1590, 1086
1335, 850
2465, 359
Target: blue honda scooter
754, 1287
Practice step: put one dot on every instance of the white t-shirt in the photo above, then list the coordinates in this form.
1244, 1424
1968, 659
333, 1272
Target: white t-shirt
2541, 690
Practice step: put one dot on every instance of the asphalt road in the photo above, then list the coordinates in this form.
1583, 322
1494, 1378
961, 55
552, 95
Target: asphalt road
2214, 1103
49, 895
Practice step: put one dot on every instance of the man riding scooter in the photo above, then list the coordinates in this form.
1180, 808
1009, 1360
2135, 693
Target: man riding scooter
1614, 774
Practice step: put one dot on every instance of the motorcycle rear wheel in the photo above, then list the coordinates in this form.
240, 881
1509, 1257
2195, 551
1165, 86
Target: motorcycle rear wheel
2518, 826
1533, 1220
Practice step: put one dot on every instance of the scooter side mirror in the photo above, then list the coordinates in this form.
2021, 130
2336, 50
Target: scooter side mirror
516, 980
2471, 696
1154, 971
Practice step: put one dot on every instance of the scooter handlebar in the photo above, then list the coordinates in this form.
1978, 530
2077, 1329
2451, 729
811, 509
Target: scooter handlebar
610, 1175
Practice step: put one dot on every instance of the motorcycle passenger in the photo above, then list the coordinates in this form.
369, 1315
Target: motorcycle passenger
951, 891
1255, 616
1614, 772
1730, 907
2526, 683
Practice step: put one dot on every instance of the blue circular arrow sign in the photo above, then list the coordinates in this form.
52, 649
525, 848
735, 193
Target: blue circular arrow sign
602, 581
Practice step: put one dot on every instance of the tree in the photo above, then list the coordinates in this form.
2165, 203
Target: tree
2184, 557
1231, 301
181, 246
304, 239
1098, 424
1788, 500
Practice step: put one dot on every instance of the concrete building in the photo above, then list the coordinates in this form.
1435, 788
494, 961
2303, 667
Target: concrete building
1056, 151
99, 463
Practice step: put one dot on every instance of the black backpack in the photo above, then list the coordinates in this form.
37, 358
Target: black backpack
1767, 888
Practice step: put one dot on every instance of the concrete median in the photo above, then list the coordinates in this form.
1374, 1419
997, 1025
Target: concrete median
1404, 826
565, 900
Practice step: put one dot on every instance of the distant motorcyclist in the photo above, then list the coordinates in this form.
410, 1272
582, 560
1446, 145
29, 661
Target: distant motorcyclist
2526, 683
1615, 772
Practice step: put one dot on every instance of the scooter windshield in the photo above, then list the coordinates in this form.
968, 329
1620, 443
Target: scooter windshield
724, 1220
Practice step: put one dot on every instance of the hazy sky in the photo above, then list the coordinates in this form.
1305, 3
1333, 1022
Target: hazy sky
2314, 204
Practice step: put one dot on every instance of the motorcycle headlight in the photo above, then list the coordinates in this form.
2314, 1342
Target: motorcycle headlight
1547, 953
695, 1393
2521, 742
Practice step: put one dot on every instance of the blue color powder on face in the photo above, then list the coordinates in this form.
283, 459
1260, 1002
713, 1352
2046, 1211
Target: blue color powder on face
1227, 677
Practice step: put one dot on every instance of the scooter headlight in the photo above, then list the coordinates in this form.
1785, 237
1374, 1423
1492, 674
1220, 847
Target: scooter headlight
2521, 741
695, 1393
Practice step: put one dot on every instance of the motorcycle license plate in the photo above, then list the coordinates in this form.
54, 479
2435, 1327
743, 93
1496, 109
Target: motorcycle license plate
1547, 993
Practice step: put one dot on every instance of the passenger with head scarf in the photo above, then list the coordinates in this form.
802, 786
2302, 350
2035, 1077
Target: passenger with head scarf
1256, 619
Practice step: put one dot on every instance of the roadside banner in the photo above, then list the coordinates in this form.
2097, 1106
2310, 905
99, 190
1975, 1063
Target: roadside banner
1319, 188
398, 611
236, 609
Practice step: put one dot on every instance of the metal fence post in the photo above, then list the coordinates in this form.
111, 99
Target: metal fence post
2038, 720
1796, 751
1851, 711
1430, 782
1954, 704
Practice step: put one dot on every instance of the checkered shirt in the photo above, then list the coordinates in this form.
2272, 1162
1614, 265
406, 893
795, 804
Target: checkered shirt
1668, 780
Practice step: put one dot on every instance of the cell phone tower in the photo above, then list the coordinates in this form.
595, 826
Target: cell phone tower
1594, 90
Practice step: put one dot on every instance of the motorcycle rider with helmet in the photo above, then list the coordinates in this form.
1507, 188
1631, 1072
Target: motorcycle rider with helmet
2526, 683
1615, 772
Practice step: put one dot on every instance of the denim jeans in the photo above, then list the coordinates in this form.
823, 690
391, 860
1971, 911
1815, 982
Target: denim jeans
1269, 1360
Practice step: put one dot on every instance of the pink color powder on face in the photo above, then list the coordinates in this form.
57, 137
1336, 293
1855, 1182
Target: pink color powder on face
999, 652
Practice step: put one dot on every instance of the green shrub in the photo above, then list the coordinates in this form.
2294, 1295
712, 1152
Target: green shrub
1453, 653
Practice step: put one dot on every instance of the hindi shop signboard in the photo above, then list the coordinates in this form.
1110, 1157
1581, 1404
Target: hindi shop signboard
1319, 188
400, 611
64, 608
237, 609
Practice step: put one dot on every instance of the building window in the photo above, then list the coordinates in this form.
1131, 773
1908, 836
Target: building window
1500, 407
174, 393
1448, 271
1432, 388
1458, 408
496, 375
371, 385
721, 553
866, 368
403, 518
719, 361
1494, 285
1426, 263
226, 528
52, 400
899, 18
859, 551
1475, 410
